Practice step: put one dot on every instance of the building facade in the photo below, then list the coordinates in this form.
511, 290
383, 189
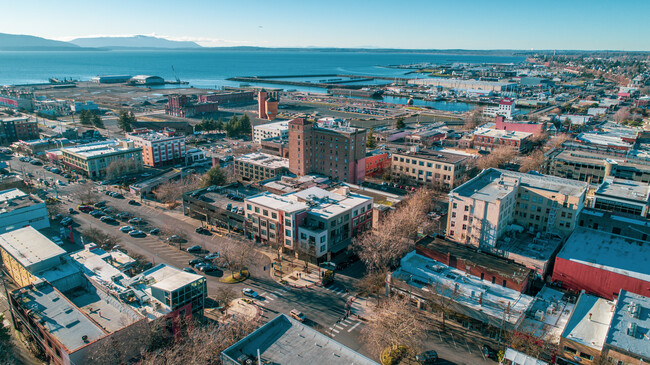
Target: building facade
18, 210
18, 129
187, 107
490, 139
377, 163
484, 208
435, 167
594, 167
159, 148
267, 104
259, 166
93, 159
270, 130
328, 149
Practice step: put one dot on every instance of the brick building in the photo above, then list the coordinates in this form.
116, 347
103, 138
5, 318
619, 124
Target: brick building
237, 97
259, 166
18, 129
490, 139
497, 270
429, 167
267, 103
333, 150
187, 107
527, 127
159, 148
377, 163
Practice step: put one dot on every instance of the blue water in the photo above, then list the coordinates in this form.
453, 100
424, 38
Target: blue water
210, 68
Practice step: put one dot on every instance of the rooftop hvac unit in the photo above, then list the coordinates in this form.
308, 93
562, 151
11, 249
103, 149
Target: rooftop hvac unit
631, 329
634, 310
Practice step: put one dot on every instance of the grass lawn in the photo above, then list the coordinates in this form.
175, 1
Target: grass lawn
236, 277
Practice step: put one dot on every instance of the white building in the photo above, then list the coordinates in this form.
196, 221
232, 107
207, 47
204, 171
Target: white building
505, 108
18, 210
270, 130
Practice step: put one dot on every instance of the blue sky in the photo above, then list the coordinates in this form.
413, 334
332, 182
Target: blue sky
432, 24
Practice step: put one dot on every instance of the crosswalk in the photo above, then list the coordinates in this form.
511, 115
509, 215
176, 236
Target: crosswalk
339, 291
346, 325
269, 296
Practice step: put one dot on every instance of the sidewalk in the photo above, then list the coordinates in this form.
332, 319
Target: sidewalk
290, 271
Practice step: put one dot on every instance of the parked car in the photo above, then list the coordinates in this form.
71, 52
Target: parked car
194, 248
100, 204
212, 256
137, 233
250, 293
57, 217
123, 215
135, 220
66, 221
189, 269
207, 267
427, 357
154, 231
107, 219
133, 202
240, 210
195, 262
97, 213
71, 211
85, 208
126, 229
35, 162
297, 315
174, 238
228, 206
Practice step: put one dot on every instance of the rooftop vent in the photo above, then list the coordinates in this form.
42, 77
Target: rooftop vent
631, 329
84, 338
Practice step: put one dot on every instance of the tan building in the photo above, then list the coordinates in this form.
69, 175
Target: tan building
484, 208
490, 139
93, 159
429, 167
259, 166
594, 167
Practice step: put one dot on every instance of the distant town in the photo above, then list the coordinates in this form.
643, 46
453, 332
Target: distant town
465, 213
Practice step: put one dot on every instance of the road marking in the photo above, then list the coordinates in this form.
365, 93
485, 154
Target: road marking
348, 321
342, 324
261, 303
334, 330
272, 296
353, 327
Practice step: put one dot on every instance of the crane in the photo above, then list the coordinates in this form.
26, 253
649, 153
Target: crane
174, 71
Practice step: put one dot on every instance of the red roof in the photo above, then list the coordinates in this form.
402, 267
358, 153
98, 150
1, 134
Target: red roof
505, 102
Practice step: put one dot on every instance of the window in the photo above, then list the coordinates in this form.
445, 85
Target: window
322, 239
494, 279
287, 232
248, 207
265, 212
467, 208
287, 222
586, 356
570, 350
257, 209
504, 283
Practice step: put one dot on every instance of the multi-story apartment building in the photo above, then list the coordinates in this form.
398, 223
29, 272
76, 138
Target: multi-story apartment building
330, 149
594, 167
159, 148
274, 219
484, 208
424, 167
270, 130
258, 166
93, 159
313, 223
18, 129
18, 210
489, 139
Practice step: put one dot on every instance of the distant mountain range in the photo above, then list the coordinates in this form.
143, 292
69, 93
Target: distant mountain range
20, 42
137, 41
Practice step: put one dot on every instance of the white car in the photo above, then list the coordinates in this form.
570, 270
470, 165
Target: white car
212, 256
250, 293
126, 229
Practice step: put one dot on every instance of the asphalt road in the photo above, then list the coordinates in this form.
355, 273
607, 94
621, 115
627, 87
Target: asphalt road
324, 307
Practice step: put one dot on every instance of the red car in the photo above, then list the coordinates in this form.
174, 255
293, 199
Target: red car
85, 208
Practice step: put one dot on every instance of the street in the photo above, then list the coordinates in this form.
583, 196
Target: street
324, 307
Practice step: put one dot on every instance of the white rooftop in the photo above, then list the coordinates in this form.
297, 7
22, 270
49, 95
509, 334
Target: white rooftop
277, 202
263, 159
608, 251
427, 274
624, 317
590, 332
626, 189
604, 139
499, 133
11, 194
97, 148
548, 315
169, 278
275, 126
519, 358
328, 204
29, 247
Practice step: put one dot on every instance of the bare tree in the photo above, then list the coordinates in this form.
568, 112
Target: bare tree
85, 193
395, 323
225, 294
442, 297
103, 240
201, 343
172, 191
236, 255
622, 115
474, 119
556, 141
8, 353
532, 162
496, 158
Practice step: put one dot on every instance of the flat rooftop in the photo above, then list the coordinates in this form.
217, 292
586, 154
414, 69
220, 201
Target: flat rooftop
604, 139
487, 186
110, 315
328, 204
608, 251
622, 319
13, 199
278, 202
437, 156
29, 247
59, 316
263, 159
530, 245
99, 148
595, 158
277, 126
503, 266
590, 332
153, 136
288, 342
625, 189
548, 315
499, 133
169, 278
424, 273
547, 182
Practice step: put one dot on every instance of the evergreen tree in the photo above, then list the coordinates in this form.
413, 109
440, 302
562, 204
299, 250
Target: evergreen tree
371, 142
231, 126
125, 119
399, 123
97, 121
214, 176
85, 117
244, 126
219, 126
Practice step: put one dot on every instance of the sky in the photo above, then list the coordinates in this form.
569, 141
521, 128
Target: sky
409, 24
